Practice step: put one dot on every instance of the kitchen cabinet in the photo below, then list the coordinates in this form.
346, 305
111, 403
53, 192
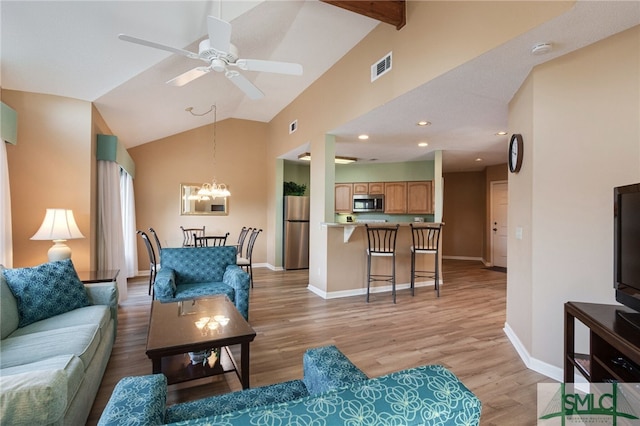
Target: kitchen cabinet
361, 188
376, 188
395, 197
368, 188
420, 197
415, 197
343, 197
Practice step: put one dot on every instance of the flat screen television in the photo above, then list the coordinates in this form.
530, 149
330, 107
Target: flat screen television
626, 264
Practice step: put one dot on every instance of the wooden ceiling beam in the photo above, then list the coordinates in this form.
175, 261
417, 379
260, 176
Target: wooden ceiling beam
389, 11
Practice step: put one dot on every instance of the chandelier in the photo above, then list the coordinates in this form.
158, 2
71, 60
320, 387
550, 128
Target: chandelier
208, 191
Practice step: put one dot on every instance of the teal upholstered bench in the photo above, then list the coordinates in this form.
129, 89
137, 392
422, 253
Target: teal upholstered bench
332, 392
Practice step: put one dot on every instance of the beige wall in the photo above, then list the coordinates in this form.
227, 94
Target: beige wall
464, 215
188, 158
50, 167
579, 118
519, 275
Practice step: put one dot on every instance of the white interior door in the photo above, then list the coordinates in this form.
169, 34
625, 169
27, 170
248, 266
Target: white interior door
499, 232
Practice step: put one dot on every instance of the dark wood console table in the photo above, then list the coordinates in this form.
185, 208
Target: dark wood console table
614, 344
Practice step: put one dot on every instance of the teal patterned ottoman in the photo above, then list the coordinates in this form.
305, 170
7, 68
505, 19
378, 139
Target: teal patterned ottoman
332, 392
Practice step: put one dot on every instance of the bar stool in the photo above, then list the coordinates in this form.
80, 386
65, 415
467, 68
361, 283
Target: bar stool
382, 242
426, 240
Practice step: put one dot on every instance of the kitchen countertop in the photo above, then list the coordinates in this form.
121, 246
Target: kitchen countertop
338, 224
349, 227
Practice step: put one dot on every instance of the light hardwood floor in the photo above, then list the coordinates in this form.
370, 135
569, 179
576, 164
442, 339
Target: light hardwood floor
462, 330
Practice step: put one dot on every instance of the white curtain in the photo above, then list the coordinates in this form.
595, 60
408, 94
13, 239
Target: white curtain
128, 224
6, 239
110, 238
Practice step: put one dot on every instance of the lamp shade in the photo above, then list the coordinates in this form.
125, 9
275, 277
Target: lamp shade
58, 224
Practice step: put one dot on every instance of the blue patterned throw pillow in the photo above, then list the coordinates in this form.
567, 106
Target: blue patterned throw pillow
46, 290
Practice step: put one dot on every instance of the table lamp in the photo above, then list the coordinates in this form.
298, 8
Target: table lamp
59, 226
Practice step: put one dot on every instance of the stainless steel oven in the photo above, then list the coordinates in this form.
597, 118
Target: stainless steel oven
368, 203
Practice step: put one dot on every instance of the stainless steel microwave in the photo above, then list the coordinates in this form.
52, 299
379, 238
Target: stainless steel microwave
368, 203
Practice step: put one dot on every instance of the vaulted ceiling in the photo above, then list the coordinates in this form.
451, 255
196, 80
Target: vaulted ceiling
71, 48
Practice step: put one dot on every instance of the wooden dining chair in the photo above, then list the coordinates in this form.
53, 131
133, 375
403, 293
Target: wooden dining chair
158, 245
246, 261
188, 233
241, 237
153, 266
210, 240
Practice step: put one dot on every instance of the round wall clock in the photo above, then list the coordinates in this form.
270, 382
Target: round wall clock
515, 153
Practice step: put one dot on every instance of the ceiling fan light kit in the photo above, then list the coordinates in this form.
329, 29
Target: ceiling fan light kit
218, 52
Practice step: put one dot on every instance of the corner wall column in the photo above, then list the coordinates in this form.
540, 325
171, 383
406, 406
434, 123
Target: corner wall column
322, 171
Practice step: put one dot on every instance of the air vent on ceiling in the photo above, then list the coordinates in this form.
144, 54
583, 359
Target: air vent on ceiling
381, 67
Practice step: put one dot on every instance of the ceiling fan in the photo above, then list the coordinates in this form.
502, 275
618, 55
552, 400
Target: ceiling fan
221, 56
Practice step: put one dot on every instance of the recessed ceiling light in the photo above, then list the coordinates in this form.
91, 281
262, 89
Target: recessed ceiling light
423, 144
363, 137
423, 123
501, 133
478, 159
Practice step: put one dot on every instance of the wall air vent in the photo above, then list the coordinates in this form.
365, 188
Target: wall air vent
381, 67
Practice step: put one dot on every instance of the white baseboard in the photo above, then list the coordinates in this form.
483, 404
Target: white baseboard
479, 259
551, 371
267, 265
363, 291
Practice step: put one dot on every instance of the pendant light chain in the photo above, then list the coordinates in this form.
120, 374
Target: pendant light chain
214, 189
215, 124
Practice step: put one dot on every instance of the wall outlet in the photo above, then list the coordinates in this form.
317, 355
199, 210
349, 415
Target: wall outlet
519, 233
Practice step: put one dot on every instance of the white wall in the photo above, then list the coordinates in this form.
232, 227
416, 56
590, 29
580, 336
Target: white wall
580, 118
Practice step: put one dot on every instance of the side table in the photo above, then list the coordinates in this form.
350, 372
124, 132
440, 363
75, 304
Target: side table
91, 277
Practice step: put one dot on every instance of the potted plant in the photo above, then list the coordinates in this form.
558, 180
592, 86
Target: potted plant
292, 188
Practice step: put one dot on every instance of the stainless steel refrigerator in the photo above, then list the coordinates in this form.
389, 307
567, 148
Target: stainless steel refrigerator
296, 232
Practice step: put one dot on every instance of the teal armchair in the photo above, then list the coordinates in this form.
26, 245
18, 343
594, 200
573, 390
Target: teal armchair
194, 272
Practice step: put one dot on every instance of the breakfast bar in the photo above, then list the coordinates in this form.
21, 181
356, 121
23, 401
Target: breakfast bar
347, 261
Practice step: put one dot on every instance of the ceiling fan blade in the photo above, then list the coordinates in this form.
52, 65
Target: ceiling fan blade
269, 66
158, 46
219, 34
188, 76
245, 85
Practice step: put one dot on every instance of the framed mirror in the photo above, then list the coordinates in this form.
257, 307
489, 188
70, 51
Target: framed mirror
191, 204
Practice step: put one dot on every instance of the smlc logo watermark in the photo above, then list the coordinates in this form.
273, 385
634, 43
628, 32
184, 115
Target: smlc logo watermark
615, 404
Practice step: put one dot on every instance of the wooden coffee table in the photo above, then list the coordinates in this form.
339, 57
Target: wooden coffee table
177, 328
